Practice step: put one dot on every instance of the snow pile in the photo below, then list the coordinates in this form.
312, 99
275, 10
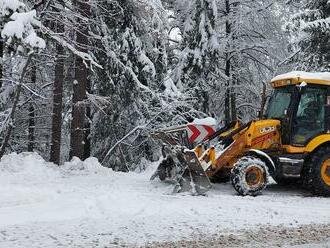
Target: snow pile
28, 166
14, 163
32, 167
303, 75
89, 166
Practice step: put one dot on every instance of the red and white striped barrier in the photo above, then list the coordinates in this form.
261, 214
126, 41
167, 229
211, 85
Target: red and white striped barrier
198, 133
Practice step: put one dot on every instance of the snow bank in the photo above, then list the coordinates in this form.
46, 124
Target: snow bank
89, 166
29, 166
303, 75
32, 167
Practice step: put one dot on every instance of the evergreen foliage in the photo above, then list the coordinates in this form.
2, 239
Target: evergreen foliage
311, 28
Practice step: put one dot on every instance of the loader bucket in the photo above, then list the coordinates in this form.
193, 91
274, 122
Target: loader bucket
193, 178
185, 170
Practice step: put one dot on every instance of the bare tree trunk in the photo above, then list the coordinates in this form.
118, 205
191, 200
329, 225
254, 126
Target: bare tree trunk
13, 109
1, 59
31, 138
78, 110
227, 95
79, 88
233, 106
55, 149
227, 68
31, 128
87, 138
227, 105
234, 77
205, 104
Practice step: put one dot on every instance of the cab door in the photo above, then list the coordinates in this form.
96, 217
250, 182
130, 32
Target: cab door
309, 119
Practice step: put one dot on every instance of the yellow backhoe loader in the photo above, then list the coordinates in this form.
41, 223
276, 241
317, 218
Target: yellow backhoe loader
290, 142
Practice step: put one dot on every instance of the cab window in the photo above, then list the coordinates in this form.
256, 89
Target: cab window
279, 103
310, 116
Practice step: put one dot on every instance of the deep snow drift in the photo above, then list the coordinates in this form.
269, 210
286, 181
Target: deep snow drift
84, 204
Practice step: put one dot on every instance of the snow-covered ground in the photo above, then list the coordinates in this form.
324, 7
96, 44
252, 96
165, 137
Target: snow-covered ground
83, 204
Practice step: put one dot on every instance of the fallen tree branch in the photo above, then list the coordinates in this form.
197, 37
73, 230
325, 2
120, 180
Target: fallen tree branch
121, 140
134, 130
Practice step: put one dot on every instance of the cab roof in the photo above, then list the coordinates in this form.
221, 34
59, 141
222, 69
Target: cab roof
296, 77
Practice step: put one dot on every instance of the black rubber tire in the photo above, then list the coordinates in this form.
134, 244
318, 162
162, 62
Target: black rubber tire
311, 174
305, 174
238, 176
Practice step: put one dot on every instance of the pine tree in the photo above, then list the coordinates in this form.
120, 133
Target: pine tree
134, 64
248, 36
80, 86
56, 133
200, 51
312, 29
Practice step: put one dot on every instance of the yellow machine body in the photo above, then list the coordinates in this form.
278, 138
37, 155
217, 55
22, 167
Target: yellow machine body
259, 135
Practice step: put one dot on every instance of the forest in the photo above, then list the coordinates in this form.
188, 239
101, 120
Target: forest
81, 78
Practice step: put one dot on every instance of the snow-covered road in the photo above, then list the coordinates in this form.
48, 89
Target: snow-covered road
44, 206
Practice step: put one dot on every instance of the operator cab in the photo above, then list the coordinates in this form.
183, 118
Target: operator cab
300, 104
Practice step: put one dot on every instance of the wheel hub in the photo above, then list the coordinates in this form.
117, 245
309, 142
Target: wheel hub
328, 172
254, 176
251, 177
325, 172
